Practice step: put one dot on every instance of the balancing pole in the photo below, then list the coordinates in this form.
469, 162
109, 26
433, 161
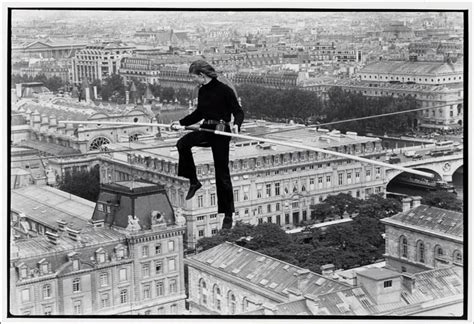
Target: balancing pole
253, 138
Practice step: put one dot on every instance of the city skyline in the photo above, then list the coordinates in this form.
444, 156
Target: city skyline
301, 76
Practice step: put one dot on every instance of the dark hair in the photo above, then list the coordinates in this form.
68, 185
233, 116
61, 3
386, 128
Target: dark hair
201, 66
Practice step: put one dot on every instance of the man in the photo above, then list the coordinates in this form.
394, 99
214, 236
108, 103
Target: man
216, 103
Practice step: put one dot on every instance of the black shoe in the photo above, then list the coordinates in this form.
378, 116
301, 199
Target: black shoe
192, 190
227, 223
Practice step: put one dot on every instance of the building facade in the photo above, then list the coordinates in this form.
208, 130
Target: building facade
96, 62
115, 264
271, 183
421, 238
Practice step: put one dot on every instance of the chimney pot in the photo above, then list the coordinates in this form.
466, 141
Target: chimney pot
406, 204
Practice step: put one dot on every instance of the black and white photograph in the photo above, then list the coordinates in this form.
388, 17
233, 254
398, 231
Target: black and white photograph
250, 163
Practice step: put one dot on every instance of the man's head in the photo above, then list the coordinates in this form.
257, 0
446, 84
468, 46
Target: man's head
202, 71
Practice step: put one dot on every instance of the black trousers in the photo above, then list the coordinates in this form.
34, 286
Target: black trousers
220, 153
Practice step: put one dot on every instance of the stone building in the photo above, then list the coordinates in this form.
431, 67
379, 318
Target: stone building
127, 258
271, 183
421, 238
231, 280
96, 62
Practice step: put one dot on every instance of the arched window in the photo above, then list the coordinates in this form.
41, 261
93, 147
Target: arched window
457, 256
403, 247
203, 292
231, 301
421, 252
217, 298
439, 253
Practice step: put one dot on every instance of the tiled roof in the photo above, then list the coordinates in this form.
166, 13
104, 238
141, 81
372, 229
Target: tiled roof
413, 68
431, 218
47, 205
266, 272
429, 286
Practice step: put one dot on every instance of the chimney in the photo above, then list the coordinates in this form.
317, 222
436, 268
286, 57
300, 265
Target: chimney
327, 270
52, 237
406, 204
73, 233
416, 201
302, 276
61, 225
408, 281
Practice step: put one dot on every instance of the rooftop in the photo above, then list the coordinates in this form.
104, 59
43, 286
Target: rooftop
378, 273
47, 205
430, 218
412, 68
267, 273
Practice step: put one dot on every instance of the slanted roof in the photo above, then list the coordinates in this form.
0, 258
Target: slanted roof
442, 221
412, 68
267, 273
378, 273
47, 205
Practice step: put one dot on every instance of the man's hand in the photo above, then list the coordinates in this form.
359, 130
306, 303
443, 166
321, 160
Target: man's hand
235, 129
175, 125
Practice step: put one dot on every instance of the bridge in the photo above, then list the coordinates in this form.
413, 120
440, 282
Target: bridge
442, 166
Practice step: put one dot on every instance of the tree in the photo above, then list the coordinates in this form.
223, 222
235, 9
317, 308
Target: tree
379, 207
85, 184
322, 211
113, 87
443, 199
268, 235
343, 203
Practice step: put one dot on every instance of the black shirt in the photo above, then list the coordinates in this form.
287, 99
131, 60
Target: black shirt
216, 101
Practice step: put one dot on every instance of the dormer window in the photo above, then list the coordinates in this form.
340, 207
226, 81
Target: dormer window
100, 255
23, 270
75, 264
44, 266
120, 251
100, 207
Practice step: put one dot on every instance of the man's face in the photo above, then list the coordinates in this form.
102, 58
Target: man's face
198, 78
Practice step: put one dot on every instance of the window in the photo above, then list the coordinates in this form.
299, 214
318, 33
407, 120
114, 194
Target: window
232, 303
157, 249
287, 218
439, 252
148, 312
457, 257
123, 274
77, 307
269, 208
146, 291
236, 195
101, 257
158, 267
277, 206
277, 189
200, 219
159, 288
161, 310
47, 291
173, 286
104, 300
200, 201
259, 193
25, 295
76, 285
213, 199
171, 265
145, 251
328, 179
357, 176
104, 279
123, 296
44, 268
203, 291
404, 247
214, 231
75, 264
340, 175
23, 272
145, 270
268, 190
170, 246
260, 221
421, 252
217, 298
201, 233
269, 219
387, 284
278, 220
